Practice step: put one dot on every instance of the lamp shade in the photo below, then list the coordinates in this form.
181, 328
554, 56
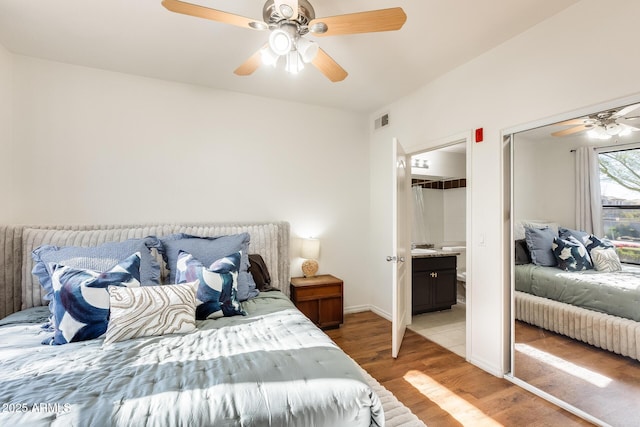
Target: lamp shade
310, 249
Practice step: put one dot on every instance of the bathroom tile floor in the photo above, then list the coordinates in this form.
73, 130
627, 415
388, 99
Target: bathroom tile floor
447, 328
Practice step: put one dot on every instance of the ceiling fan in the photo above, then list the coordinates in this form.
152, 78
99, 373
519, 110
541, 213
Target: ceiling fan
288, 22
604, 124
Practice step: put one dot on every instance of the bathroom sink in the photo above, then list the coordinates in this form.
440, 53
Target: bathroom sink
419, 251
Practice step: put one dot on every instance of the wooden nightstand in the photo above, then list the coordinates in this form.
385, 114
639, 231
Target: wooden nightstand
319, 298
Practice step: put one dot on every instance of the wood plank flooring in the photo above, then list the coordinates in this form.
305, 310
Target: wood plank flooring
601, 383
440, 387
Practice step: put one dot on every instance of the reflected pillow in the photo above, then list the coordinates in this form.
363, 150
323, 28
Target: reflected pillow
605, 259
593, 242
522, 252
580, 236
81, 300
151, 311
539, 241
217, 291
571, 254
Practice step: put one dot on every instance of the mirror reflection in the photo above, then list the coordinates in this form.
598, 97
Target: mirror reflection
576, 235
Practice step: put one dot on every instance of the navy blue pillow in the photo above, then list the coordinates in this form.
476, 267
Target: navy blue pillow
571, 254
81, 299
98, 258
209, 249
595, 242
217, 292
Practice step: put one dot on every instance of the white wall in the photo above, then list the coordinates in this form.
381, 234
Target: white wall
6, 180
455, 209
544, 180
548, 70
101, 147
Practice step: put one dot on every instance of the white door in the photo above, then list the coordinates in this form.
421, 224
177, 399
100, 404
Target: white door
400, 259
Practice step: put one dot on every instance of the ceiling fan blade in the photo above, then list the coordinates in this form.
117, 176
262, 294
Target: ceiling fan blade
213, 14
251, 64
572, 122
626, 110
361, 22
288, 9
327, 66
571, 130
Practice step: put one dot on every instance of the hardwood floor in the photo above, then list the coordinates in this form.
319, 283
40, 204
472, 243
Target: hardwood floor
440, 387
601, 383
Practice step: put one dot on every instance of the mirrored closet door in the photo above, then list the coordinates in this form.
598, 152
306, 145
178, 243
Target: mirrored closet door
575, 220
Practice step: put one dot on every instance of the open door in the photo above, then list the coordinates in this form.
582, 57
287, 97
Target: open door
401, 257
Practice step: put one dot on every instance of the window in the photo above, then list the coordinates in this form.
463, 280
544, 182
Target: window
620, 188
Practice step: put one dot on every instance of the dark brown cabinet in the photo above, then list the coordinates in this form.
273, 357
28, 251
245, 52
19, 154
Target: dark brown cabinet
319, 298
433, 283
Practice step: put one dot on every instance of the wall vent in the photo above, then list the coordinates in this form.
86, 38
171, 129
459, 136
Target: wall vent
382, 121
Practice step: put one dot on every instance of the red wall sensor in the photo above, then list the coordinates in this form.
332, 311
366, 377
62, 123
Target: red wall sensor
479, 135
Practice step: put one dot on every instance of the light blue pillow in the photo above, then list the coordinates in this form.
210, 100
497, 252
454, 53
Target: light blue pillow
217, 292
98, 258
209, 249
579, 235
539, 241
571, 254
81, 299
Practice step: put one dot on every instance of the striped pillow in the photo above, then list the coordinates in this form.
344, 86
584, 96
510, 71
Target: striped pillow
151, 310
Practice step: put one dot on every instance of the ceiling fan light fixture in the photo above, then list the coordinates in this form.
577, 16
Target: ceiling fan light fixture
280, 42
286, 11
308, 49
294, 62
598, 132
269, 57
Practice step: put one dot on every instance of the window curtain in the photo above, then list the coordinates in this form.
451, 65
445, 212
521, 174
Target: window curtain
419, 232
588, 198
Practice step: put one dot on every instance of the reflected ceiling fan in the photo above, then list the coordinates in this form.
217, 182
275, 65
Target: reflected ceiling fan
288, 21
603, 125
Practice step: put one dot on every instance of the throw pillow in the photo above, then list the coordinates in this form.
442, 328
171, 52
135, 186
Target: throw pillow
539, 241
522, 252
605, 259
209, 249
217, 291
151, 311
81, 300
97, 258
596, 242
580, 236
571, 254
260, 272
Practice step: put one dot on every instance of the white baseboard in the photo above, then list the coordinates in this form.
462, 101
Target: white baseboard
367, 307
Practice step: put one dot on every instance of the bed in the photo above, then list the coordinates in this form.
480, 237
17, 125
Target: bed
599, 308
267, 366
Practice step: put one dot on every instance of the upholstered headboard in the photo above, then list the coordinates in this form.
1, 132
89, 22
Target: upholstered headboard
20, 290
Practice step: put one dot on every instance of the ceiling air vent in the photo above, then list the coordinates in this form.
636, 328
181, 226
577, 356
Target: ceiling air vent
382, 121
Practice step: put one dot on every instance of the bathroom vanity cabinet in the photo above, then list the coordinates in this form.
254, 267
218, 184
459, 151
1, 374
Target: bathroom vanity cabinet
433, 283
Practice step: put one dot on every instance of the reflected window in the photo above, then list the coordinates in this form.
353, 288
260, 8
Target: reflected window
620, 189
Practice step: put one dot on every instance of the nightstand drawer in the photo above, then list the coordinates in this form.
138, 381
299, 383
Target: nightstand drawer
315, 292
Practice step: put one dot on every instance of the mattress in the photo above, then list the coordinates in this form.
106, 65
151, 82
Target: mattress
616, 293
272, 367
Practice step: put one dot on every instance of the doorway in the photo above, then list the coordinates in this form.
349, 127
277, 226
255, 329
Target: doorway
439, 245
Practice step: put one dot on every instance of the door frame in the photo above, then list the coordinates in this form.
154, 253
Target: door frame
467, 138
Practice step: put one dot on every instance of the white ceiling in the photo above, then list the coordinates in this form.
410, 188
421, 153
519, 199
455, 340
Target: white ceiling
141, 37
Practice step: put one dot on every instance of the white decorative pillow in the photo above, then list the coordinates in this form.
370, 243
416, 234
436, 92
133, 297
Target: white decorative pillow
605, 259
151, 310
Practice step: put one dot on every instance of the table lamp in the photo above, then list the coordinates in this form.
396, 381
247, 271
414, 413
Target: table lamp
310, 252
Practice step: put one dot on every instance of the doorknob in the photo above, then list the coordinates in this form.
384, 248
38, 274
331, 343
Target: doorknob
391, 259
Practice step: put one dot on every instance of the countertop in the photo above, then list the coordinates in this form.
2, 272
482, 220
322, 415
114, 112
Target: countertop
435, 254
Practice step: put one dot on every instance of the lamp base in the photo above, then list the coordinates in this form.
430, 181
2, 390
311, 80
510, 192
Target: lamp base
310, 268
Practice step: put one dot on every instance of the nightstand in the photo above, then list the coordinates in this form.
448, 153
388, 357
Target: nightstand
319, 298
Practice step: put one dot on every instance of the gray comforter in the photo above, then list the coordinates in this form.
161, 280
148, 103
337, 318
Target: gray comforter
270, 368
616, 293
